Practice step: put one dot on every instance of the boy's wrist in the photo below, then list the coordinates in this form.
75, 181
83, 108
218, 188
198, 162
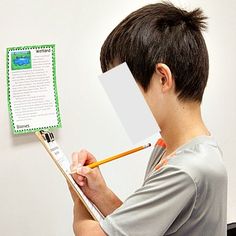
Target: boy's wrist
101, 195
107, 201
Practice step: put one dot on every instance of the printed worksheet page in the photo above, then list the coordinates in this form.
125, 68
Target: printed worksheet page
31, 87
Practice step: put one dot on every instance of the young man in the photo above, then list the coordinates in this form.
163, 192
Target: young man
185, 193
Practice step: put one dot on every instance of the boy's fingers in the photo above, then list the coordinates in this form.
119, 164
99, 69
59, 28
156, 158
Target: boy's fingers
90, 158
81, 183
84, 171
78, 160
85, 157
80, 178
82, 157
87, 172
74, 163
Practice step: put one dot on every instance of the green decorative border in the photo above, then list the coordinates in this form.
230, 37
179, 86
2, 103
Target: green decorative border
59, 124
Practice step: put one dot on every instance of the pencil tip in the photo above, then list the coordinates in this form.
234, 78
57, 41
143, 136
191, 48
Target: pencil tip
147, 145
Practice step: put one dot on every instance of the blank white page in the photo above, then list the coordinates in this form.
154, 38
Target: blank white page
129, 103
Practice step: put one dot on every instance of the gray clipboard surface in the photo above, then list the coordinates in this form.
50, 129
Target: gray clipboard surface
48, 141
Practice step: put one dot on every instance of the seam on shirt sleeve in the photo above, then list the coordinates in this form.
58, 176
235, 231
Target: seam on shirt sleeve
195, 197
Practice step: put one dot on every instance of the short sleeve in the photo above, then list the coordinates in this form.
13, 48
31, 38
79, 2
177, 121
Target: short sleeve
166, 197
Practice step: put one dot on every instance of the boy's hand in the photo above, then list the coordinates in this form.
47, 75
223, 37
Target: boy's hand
90, 180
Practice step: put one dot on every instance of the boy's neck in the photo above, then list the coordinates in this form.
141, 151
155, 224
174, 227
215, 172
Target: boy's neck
183, 125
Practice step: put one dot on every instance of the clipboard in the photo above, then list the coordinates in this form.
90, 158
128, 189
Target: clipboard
48, 141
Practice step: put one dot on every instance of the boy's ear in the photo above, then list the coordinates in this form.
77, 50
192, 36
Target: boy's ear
165, 75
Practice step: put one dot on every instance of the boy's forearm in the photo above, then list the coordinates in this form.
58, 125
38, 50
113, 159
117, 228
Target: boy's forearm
83, 221
80, 212
107, 202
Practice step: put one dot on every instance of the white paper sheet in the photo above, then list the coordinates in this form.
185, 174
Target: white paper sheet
129, 103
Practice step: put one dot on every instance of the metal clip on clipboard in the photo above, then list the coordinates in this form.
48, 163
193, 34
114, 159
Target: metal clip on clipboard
48, 136
48, 141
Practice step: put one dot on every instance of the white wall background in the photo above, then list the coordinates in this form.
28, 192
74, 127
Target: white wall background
34, 199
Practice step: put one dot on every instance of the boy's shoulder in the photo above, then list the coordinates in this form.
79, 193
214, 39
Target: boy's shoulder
201, 159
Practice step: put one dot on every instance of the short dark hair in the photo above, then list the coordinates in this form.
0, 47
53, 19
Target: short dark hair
161, 33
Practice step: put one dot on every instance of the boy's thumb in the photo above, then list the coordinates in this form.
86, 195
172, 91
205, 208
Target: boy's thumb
86, 172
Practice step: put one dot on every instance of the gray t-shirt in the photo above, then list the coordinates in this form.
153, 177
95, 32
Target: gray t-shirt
185, 196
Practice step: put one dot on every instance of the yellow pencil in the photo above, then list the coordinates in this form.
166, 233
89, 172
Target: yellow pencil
98, 163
